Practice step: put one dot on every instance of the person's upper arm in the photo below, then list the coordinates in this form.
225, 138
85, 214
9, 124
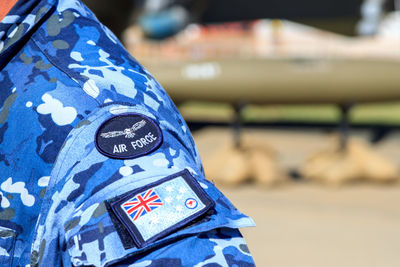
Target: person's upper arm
97, 175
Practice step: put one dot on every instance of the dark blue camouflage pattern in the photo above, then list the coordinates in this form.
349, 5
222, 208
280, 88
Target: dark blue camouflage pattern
62, 75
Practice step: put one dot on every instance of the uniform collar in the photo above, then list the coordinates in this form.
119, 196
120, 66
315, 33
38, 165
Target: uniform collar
22, 20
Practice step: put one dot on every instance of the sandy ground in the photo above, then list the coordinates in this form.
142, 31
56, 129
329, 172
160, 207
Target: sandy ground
293, 147
306, 224
311, 226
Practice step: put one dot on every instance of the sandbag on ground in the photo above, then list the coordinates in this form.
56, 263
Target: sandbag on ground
357, 162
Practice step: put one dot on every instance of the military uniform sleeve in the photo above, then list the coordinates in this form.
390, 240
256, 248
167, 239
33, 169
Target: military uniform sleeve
127, 187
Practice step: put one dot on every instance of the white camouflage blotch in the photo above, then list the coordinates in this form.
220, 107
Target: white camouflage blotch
91, 88
110, 72
13, 32
4, 252
18, 188
59, 114
10, 19
76, 56
91, 42
44, 181
5, 203
125, 170
172, 151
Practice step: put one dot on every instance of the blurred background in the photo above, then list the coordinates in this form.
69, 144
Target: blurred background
295, 109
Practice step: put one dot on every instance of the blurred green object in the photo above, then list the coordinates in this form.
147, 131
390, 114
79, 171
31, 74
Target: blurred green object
281, 80
380, 114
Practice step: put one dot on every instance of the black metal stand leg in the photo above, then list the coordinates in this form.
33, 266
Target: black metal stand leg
238, 124
344, 126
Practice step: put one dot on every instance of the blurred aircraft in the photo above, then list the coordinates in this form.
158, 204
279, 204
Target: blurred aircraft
283, 62
273, 62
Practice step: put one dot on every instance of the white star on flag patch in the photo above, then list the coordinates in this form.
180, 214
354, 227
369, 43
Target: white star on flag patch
154, 211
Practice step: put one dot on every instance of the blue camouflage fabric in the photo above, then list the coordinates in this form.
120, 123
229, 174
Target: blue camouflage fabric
63, 74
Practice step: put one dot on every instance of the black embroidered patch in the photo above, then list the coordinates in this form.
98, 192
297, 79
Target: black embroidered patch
128, 136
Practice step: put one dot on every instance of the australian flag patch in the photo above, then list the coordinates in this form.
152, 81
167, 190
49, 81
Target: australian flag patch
158, 209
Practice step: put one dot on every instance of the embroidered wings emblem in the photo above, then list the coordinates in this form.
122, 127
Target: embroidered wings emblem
128, 132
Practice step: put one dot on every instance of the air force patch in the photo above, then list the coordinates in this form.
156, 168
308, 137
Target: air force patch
128, 136
158, 209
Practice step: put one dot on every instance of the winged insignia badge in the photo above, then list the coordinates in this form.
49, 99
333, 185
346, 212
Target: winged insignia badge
128, 132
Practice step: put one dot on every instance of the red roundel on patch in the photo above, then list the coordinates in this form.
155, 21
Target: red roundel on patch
191, 203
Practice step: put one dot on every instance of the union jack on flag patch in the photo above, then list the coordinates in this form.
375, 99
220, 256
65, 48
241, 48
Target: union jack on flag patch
173, 202
141, 204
